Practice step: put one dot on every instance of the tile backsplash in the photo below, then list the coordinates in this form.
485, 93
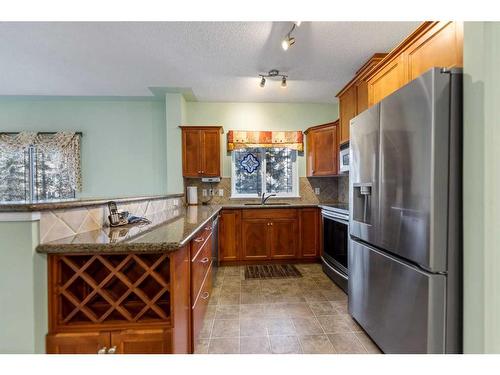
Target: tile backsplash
328, 190
57, 224
343, 189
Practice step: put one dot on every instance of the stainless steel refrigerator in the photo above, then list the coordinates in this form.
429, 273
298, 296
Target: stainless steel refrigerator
405, 217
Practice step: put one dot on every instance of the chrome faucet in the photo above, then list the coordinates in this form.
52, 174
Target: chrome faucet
263, 199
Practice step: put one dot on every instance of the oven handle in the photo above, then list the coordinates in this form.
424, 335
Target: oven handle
341, 218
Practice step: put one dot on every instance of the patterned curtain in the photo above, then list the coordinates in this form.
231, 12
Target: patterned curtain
66, 143
237, 139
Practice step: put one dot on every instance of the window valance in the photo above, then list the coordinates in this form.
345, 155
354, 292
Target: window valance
237, 139
64, 144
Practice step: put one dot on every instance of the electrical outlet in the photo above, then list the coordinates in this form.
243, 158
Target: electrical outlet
316, 191
204, 192
221, 192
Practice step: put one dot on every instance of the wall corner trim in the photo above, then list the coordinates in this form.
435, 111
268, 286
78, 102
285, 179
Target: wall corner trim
19, 216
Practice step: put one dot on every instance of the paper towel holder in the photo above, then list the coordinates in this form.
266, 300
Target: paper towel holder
192, 195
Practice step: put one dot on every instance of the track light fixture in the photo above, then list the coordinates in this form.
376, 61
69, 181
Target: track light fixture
289, 40
274, 73
283, 82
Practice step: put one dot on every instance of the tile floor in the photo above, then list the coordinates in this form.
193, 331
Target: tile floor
299, 315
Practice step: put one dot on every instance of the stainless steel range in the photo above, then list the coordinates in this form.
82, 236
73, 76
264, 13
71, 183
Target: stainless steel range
335, 237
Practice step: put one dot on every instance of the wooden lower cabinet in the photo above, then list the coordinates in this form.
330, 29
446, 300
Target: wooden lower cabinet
229, 235
77, 343
309, 223
270, 234
255, 236
181, 302
155, 341
119, 303
284, 235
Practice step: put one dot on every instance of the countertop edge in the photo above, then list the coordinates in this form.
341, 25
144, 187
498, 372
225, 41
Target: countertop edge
44, 206
130, 245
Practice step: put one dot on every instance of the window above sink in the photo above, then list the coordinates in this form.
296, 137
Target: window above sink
264, 170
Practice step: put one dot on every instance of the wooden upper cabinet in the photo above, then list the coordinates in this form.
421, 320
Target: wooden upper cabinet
432, 44
442, 45
387, 80
353, 98
347, 109
210, 148
201, 151
322, 150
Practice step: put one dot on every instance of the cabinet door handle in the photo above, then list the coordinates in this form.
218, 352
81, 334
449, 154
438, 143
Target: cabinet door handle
205, 295
112, 350
204, 260
199, 239
103, 350
199, 172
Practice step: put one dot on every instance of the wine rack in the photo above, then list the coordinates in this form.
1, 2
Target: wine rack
108, 290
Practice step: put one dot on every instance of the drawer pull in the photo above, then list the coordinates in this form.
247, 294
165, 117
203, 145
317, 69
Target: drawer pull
205, 295
102, 350
199, 239
112, 350
204, 260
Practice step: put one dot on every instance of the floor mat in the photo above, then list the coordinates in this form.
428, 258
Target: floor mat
271, 271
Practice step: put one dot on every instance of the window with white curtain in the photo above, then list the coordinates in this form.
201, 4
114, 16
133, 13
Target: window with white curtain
41, 167
269, 170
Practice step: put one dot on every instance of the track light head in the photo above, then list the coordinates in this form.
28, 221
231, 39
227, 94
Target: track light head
262, 82
283, 82
287, 42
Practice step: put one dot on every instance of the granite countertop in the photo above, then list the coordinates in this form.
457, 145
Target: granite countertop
71, 203
167, 236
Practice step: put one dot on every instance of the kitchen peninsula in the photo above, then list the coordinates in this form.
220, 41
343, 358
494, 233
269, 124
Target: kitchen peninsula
145, 289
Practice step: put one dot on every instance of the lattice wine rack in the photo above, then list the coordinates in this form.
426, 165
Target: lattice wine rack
109, 289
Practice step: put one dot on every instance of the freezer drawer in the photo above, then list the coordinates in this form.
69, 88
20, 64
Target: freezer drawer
400, 306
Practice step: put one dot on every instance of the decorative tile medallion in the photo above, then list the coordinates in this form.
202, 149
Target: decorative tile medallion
250, 163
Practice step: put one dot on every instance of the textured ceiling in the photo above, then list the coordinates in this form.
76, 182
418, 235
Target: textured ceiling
217, 61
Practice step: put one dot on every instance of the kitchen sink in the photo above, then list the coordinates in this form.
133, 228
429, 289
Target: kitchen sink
267, 204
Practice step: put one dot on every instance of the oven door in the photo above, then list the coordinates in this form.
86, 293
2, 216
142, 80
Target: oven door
336, 241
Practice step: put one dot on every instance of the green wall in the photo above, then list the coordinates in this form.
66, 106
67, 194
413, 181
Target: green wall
123, 144
481, 182
175, 114
23, 291
259, 116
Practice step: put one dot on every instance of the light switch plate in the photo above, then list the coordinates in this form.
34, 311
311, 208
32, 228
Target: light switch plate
204, 192
221, 192
316, 191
